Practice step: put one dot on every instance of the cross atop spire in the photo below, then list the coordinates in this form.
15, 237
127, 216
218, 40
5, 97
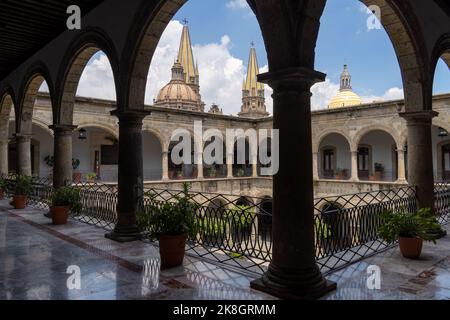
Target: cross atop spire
185, 21
252, 44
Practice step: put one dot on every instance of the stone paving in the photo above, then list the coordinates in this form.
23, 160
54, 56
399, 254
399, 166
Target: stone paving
35, 256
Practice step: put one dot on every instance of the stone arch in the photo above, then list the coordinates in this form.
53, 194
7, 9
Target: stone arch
152, 155
81, 50
34, 78
440, 51
152, 19
163, 140
322, 135
111, 130
43, 125
378, 127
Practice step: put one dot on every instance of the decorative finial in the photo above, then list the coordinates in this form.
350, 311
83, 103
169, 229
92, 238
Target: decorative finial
252, 44
185, 21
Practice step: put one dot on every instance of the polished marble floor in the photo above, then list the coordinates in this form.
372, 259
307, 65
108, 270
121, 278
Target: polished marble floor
35, 258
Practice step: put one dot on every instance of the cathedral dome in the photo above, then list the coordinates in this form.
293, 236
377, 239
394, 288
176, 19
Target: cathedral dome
346, 97
178, 94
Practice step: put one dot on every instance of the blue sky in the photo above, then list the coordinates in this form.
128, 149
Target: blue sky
343, 38
221, 32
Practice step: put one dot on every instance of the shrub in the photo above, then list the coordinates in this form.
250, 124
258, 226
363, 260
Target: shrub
2, 184
408, 225
67, 196
170, 218
23, 185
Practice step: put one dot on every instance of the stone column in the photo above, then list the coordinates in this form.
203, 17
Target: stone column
130, 175
255, 165
62, 146
230, 157
420, 157
401, 177
199, 162
24, 154
293, 272
315, 166
165, 165
354, 160
3, 157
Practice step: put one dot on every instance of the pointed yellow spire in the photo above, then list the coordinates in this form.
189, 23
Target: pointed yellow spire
186, 57
251, 83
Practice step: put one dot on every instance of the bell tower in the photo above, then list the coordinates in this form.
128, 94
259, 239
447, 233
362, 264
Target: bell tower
253, 99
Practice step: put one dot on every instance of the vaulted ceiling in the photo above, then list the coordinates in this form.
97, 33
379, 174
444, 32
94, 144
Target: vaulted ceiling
28, 25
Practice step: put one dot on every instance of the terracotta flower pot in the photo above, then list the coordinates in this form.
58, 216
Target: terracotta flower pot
410, 247
171, 250
19, 201
59, 214
76, 177
2, 194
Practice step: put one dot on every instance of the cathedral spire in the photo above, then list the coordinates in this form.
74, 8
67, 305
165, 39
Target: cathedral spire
251, 83
186, 57
346, 79
253, 100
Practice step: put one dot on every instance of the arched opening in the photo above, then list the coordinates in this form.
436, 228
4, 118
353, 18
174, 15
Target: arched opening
377, 157
441, 153
334, 157
242, 166
265, 219
6, 111
214, 159
95, 154
265, 146
90, 75
182, 161
152, 156
352, 33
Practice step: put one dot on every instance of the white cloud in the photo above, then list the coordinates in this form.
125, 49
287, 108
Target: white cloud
97, 79
237, 4
322, 93
221, 73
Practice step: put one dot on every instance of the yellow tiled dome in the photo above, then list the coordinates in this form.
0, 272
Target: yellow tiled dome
346, 98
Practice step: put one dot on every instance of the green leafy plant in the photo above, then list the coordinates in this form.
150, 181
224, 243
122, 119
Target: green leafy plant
241, 216
75, 163
91, 176
23, 185
170, 218
67, 196
212, 172
321, 229
379, 167
49, 160
240, 172
2, 184
408, 225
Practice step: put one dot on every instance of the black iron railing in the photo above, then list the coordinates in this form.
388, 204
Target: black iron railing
236, 230
442, 201
231, 229
346, 226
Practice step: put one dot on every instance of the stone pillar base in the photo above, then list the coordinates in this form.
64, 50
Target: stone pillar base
302, 292
124, 235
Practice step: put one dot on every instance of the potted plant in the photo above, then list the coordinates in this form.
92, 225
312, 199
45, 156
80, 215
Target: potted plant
212, 172
23, 188
76, 176
323, 236
91, 177
379, 169
64, 199
171, 223
2, 188
410, 229
240, 172
338, 174
180, 174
